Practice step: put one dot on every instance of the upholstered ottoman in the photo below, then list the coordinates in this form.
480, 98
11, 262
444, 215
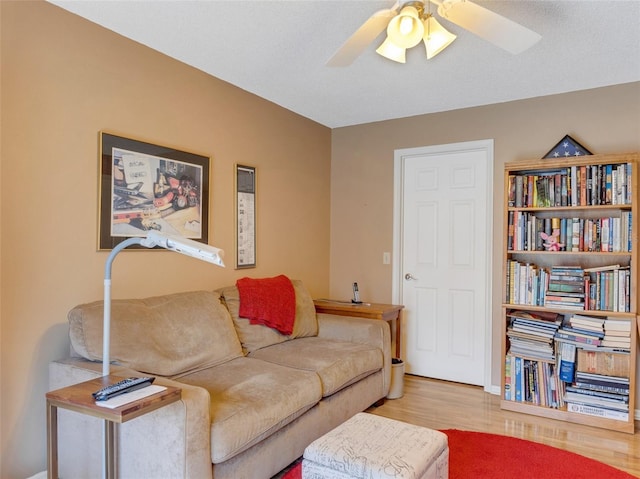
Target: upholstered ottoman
374, 447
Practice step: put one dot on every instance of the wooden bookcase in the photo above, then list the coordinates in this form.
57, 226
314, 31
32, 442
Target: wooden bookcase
552, 212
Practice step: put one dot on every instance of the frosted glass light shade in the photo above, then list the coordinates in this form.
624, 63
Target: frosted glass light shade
436, 37
406, 29
390, 50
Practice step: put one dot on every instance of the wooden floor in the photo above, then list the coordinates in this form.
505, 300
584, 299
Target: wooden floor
444, 405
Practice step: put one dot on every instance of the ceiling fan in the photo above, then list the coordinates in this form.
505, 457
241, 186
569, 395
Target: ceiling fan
411, 22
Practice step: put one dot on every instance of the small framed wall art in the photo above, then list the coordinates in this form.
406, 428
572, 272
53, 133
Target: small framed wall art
146, 186
245, 182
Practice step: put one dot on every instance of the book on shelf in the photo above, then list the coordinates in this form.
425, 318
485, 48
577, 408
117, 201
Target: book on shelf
598, 411
568, 288
544, 317
577, 339
567, 328
610, 290
599, 382
613, 335
564, 305
578, 397
531, 381
617, 333
532, 350
618, 344
518, 378
567, 361
565, 288
620, 398
611, 325
595, 269
507, 377
605, 363
587, 323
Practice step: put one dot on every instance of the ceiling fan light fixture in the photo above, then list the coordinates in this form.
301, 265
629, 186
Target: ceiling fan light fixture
436, 37
406, 29
391, 51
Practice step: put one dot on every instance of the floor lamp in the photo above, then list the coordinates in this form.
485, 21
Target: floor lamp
185, 246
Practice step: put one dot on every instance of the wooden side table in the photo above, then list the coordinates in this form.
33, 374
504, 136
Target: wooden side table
385, 312
78, 398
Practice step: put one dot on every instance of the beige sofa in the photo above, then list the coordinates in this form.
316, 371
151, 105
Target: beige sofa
252, 398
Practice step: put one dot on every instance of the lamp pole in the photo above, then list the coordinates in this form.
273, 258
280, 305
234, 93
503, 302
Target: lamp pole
178, 244
106, 315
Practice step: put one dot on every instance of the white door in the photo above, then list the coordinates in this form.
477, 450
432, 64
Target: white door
442, 226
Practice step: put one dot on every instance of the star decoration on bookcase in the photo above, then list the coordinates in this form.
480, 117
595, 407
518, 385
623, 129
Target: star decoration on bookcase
567, 147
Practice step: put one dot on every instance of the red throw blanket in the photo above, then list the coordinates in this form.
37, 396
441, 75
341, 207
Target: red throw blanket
268, 301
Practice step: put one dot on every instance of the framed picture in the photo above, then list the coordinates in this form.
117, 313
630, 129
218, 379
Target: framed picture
144, 186
245, 181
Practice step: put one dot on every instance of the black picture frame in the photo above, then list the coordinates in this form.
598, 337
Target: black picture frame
147, 186
245, 186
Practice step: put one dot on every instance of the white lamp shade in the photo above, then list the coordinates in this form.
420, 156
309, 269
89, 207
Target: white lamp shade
436, 37
390, 50
405, 29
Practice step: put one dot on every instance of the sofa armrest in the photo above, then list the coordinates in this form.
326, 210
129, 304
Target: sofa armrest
174, 440
373, 332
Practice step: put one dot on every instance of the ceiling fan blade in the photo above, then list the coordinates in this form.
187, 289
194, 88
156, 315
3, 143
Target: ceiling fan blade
362, 37
490, 26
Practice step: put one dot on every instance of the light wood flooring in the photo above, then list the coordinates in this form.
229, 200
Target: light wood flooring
444, 405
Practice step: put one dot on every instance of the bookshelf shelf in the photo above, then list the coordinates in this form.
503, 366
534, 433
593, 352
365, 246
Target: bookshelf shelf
593, 201
597, 313
571, 208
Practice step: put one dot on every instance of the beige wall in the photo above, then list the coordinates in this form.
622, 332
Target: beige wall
65, 79
604, 120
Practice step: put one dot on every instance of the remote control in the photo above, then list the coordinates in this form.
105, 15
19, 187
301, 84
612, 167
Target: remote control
125, 386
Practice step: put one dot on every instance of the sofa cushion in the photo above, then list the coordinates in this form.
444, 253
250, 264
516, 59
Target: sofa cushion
250, 400
165, 335
338, 363
256, 336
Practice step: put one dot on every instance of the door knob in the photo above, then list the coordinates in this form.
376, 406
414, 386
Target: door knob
409, 277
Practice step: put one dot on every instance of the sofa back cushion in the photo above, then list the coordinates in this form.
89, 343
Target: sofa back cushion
164, 335
256, 336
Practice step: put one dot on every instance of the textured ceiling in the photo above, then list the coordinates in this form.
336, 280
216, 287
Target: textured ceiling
278, 50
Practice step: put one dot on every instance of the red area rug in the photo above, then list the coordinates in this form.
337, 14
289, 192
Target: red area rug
480, 455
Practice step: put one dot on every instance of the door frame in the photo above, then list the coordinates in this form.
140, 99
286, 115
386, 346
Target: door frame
398, 228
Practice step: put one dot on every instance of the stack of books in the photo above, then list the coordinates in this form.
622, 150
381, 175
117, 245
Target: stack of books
587, 323
579, 337
531, 334
565, 288
601, 383
617, 334
530, 361
599, 395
